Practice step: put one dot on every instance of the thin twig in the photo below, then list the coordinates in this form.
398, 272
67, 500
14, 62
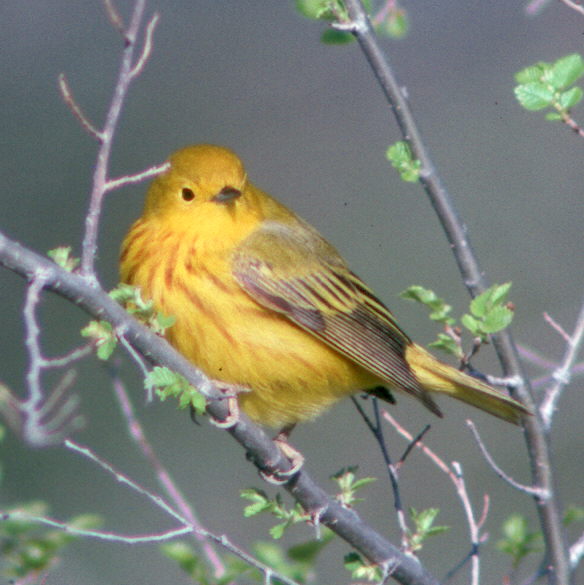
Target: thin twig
563, 374
574, 6
526, 489
32, 342
474, 526
124, 479
138, 435
115, 17
98, 534
137, 178
74, 355
76, 109
168, 509
147, 48
44, 420
413, 443
534, 357
138, 359
456, 476
577, 552
377, 431
100, 180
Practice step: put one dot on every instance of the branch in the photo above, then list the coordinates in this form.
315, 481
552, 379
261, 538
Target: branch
185, 529
574, 6
261, 450
563, 374
138, 435
535, 436
128, 72
457, 478
577, 552
526, 489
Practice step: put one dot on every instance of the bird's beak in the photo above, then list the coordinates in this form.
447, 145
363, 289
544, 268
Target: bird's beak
226, 194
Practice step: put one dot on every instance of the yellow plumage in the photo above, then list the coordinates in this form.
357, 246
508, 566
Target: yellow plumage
261, 300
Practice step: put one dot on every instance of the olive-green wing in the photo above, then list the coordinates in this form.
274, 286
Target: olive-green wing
293, 270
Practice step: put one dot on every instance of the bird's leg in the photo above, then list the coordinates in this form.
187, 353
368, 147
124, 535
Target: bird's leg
293, 455
229, 392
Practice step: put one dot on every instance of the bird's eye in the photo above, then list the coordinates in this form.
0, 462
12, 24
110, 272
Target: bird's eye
187, 194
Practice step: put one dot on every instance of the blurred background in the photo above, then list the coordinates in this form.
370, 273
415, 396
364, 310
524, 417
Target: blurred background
312, 126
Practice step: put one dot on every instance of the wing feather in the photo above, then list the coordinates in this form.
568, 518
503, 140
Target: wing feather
293, 270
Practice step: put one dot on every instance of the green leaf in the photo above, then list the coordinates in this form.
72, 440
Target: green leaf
359, 569
489, 313
570, 98
531, 73
277, 531
395, 25
165, 321
553, 116
62, 257
307, 552
446, 344
534, 96
424, 526
497, 319
167, 383
401, 157
260, 502
518, 541
494, 296
332, 36
183, 554
311, 9
349, 484
566, 71
472, 324
130, 297
28, 548
573, 514
439, 308
102, 334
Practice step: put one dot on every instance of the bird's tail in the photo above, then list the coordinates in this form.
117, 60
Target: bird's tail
435, 376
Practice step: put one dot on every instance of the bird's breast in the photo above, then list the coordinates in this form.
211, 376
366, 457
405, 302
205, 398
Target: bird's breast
292, 375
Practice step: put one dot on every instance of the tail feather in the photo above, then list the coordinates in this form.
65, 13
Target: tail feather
435, 376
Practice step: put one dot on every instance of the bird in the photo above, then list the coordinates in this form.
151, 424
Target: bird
265, 303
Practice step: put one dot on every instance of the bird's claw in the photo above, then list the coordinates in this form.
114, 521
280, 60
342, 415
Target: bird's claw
294, 456
229, 393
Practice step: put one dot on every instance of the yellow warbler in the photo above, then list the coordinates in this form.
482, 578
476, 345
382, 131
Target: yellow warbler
263, 301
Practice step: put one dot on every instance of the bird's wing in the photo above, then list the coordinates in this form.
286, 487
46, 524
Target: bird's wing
294, 271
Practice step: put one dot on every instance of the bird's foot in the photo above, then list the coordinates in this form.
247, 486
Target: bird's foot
294, 456
229, 392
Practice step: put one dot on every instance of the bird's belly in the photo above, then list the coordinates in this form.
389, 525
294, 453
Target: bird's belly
292, 375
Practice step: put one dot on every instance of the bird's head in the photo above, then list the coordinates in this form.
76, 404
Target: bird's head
202, 180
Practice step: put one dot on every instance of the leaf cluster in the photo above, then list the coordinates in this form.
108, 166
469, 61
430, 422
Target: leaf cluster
391, 22
519, 541
402, 159
63, 257
348, 483
547, 85
296, 563
167, 383
27, 548
261, 502
423, 527
102, 333
489, 312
